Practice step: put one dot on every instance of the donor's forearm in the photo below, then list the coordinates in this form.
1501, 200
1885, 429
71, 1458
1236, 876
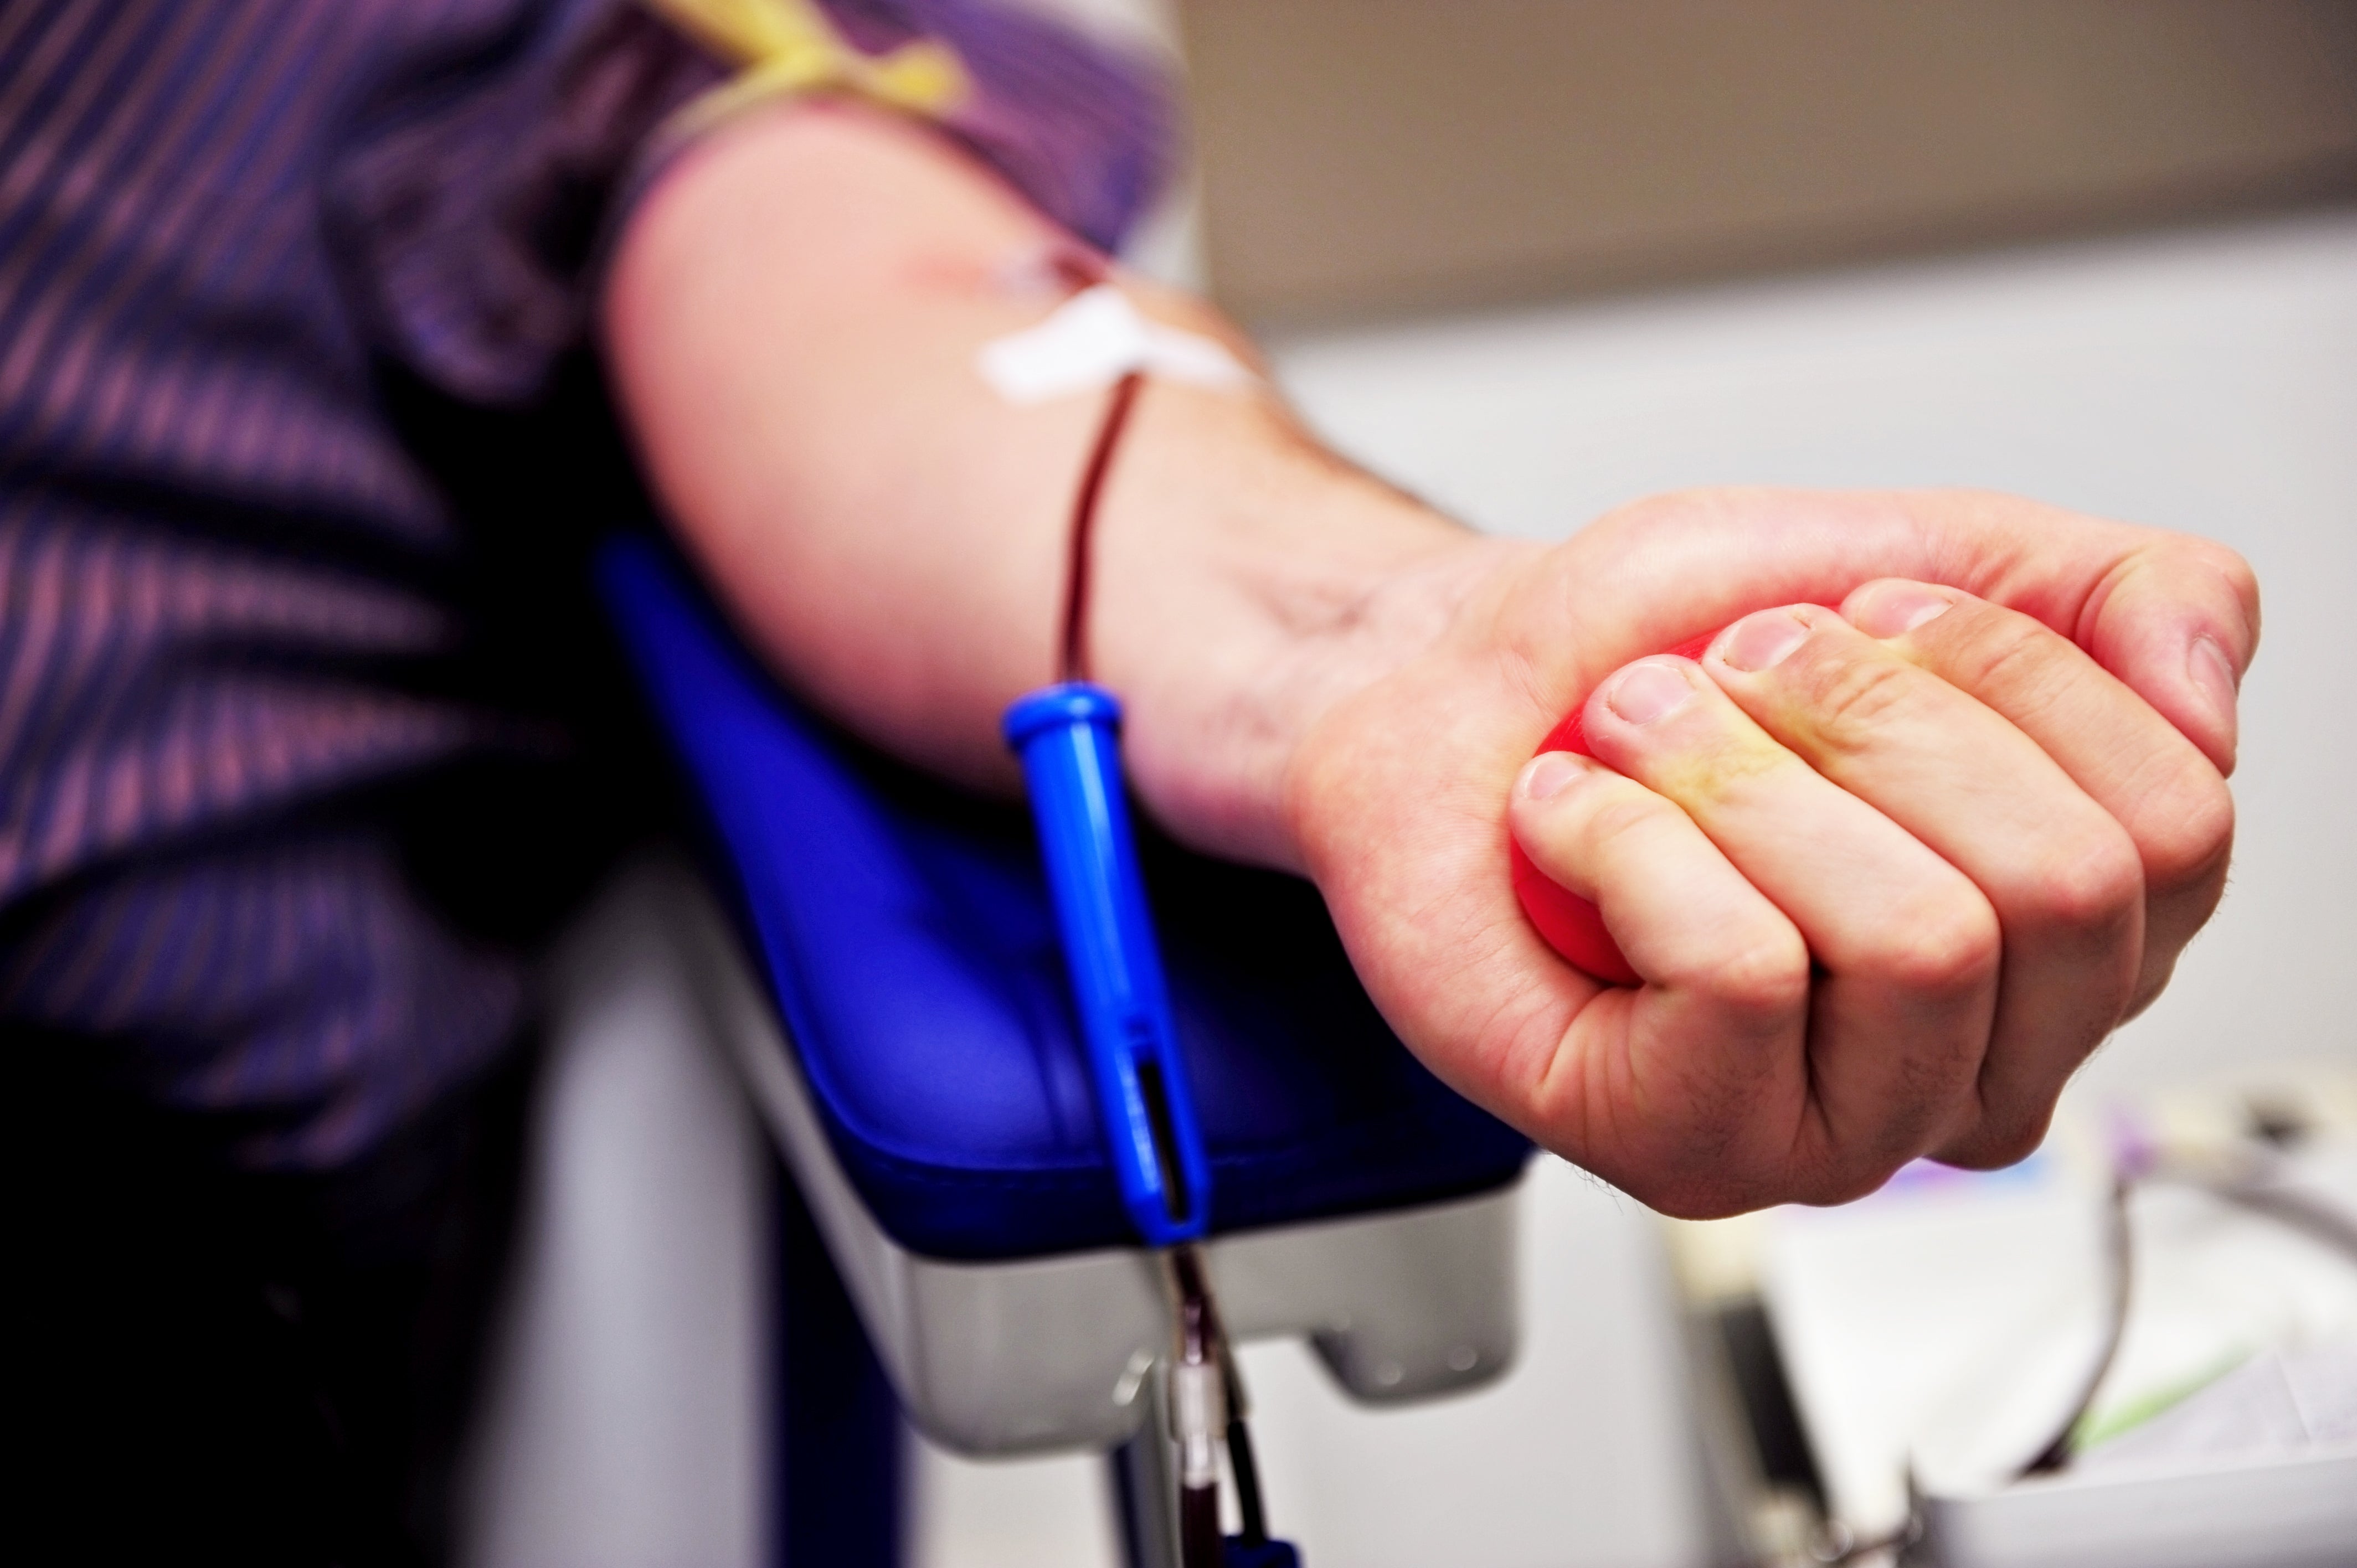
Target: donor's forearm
792, 324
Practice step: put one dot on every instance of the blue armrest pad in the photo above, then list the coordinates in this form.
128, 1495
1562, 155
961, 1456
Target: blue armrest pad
905, 930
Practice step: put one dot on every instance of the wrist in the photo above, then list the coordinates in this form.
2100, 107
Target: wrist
1235, 611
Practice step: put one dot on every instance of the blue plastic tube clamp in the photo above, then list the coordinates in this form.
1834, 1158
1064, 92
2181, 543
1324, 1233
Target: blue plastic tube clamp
1068, 738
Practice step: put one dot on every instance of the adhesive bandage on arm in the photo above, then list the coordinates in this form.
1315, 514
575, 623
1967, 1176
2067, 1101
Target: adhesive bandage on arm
1092, 340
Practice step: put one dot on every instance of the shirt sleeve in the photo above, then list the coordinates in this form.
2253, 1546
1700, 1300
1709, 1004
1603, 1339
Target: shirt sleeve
469, 212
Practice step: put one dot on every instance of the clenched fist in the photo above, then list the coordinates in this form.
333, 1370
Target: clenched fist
1887, 871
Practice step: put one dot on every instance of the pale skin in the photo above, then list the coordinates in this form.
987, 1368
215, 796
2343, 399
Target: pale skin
1889, 870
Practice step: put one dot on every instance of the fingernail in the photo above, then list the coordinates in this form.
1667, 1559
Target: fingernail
2213, 677
1898, 610
1546, 775
1646, 692
1762, 641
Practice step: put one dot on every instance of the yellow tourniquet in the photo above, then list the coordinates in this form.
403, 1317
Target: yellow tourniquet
789, 47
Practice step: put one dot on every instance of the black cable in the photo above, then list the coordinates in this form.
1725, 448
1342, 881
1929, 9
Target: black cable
2055, 1452
1246, 1471
2260, 1190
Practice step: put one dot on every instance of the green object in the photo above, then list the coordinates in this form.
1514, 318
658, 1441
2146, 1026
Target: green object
2096, 1428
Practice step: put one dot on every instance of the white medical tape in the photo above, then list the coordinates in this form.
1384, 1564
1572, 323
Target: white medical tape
1092, 340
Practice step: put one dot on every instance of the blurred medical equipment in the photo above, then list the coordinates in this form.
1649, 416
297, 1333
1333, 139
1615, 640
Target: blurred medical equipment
2139, 1346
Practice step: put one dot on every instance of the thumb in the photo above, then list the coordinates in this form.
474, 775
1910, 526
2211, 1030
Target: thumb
2176, 617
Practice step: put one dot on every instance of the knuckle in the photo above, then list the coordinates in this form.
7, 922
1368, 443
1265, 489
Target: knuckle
1996, 1149
1949, 951
1664, 510
1847, 695
1663, 507
1619, 809
1759, 975
1849, 1175
2094, 883
2000, 1141
1705, 1198
2191, 832
2229, 566
2005, 651
1619, 816
1737, 1183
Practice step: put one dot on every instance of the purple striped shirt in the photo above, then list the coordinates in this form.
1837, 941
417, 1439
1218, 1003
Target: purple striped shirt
221, 567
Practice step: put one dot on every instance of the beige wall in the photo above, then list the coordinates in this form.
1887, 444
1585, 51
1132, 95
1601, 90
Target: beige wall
1367, 153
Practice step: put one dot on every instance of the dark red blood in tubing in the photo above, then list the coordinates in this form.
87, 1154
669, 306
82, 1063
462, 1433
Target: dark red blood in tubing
1571, 925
